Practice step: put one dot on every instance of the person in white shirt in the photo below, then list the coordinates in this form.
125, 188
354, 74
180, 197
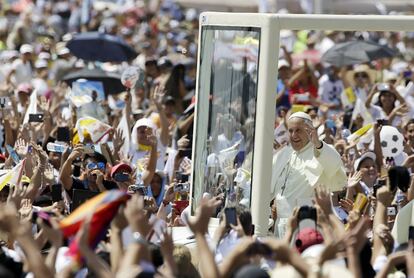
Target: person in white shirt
387, 107
22, 68
330, 90
303, 164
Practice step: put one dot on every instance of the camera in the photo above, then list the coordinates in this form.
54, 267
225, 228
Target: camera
378, 185
383, 87
35, 118
181, 177
307, 212
182, 187
89, 149
231, 216
382, 122
391, 211
139, 189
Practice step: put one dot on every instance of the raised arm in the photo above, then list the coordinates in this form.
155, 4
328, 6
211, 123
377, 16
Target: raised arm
370, 96
384, 198
65, 175
158, 98
199, 226
152, 163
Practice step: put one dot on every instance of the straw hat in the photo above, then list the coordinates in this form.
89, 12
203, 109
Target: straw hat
372, 74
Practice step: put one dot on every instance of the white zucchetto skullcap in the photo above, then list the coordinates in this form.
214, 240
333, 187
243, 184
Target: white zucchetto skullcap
301, 115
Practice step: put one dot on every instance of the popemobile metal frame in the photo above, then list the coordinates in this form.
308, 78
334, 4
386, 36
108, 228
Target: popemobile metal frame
270, 26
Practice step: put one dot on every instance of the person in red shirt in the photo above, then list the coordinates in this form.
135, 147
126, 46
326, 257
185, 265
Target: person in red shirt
303, 86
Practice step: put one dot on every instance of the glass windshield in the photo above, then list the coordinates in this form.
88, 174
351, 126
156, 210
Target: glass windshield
226, 114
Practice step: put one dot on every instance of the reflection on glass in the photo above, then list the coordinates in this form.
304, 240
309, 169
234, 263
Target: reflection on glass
226, 114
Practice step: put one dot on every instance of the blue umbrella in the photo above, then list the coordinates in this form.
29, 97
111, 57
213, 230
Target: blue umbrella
96, 46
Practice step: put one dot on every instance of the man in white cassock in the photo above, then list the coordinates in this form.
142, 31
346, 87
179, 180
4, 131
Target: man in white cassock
303, 164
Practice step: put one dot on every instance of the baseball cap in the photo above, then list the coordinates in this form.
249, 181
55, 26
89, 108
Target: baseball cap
307, 237
44, 56
121, 167
26, 48
283, 63
63, 51
40, 64
164, 62
145, 122
362, 158
24, 88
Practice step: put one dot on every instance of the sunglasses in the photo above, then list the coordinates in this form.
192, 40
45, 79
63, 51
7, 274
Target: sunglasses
361, 75
121, 177
99, 165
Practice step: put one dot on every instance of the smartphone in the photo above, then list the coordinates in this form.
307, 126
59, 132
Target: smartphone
181, 177
231, 216
13, 154
182, 187
63, 134
411, 233
302, 97
184, 153
35, 118
383, 87
378, 185
139, 189
89, 149
391, 211
56, 193
382, 122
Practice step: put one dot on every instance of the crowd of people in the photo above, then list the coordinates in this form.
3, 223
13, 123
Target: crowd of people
95, 184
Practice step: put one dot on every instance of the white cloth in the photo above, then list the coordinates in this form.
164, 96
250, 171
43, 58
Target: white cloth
226, 246
330, 91
139, 154
299, 171
23, 72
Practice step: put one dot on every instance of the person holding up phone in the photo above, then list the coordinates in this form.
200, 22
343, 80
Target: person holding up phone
93, 167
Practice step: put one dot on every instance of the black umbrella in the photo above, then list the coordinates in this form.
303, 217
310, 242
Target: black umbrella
96, 46
356, 52
111, 81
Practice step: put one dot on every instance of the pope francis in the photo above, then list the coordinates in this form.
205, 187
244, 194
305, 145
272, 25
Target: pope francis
304, 163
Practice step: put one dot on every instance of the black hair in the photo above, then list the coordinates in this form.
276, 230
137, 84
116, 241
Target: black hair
379, 98
411, 121
95, 156
156, 256
245, 218
399, 177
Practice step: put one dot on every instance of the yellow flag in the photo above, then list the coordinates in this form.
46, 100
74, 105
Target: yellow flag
13, 176
95, 128
359, 133
350, 95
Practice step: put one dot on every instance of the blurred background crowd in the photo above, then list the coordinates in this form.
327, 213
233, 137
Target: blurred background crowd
97, 105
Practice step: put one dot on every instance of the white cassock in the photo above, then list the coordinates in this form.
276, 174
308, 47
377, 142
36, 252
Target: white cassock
295, 173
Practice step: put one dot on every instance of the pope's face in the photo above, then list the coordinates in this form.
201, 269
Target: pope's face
298, 135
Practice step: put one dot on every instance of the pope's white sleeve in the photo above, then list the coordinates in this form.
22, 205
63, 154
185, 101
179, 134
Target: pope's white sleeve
333, 167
